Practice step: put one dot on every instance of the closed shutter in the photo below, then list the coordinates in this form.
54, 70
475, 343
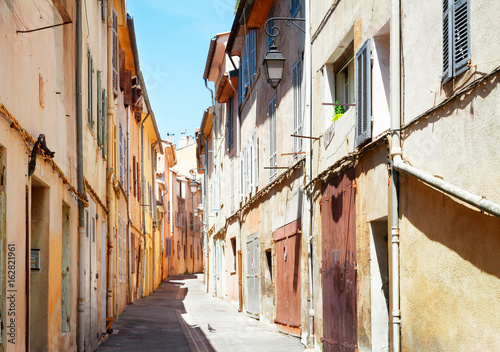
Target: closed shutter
461, 37
363, 94
255, 165
104, 122
99, 108
90, 105
249, 167
116, 48
245, 170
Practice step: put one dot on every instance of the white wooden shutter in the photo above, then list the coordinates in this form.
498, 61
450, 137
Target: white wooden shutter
249, 167
363, 94
99, 108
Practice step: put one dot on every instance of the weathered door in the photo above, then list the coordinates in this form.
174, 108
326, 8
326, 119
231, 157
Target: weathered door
252, 275
104, 247
338, 218
91, 336
288, 284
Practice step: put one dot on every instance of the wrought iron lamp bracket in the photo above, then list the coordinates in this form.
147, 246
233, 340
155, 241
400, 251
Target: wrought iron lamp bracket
275, 31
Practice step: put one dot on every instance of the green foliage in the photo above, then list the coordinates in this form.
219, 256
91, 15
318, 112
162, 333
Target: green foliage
339, 111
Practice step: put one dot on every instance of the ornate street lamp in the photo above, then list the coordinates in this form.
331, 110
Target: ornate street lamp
274, 64
275, 61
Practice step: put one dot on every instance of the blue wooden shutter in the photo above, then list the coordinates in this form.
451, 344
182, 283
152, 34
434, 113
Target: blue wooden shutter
447, 40
363, 93
461, 36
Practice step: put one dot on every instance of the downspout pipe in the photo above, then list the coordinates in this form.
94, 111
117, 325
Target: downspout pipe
395, 69
309, 169
214, 115
81, 186
110, 166
129, 223
143, 206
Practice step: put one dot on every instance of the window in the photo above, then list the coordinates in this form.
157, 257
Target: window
103, 10
273, 155
168, 247
344, 83
363, 94
297, 105
168, 211
248, 63
102, 122
184, 252
198, 252
178, 250
179, 189
230, 124
191, 251
456, 38
120, 136
232, 185
90, 104
233, 247
294, 7
116, 51
134, 172
255, 161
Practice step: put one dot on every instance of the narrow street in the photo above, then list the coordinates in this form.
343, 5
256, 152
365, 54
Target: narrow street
176, 318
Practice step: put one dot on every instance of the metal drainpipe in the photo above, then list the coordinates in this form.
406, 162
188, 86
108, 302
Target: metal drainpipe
142, 206
155, 204
205, 202
110, 165
130, 299
81, 187
395, 63
309, 168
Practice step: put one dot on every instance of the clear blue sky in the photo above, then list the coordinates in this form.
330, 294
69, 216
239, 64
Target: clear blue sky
173, 38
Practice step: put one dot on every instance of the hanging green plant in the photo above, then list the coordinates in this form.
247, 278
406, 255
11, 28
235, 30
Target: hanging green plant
338, 112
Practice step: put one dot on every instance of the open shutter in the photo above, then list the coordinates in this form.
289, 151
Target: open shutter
99, 108
461, 36
447, 41
363, 94
255, 164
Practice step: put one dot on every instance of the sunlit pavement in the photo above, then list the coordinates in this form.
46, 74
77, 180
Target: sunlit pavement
176, 318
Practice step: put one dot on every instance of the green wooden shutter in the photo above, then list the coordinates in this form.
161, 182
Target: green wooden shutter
90, 68
363, 93
461, 36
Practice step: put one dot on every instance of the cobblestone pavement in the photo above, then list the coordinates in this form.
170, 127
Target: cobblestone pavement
176, 318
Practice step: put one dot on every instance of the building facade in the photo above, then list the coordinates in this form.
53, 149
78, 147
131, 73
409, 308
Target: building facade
352, 173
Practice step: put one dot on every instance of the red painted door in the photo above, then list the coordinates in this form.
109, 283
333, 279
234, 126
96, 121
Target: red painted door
338, 221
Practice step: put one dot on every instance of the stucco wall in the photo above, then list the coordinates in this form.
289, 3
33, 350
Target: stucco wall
449, 273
